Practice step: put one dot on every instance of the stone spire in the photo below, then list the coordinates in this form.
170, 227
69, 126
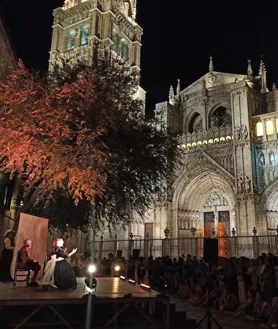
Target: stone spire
249, 70
178, 88
274, 87
172, 99
262, 74
211, 68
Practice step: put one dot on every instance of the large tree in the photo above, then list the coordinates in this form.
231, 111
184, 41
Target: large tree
80, 142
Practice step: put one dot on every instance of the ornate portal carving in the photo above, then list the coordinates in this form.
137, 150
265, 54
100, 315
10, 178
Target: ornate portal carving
215, 200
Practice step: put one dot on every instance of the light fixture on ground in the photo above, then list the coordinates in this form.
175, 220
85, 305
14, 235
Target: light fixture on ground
92, 268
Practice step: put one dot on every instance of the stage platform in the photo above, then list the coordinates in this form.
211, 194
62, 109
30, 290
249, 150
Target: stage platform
110, 291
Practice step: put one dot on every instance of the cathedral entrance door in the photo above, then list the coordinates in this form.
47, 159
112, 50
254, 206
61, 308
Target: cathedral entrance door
224, 233
209, 224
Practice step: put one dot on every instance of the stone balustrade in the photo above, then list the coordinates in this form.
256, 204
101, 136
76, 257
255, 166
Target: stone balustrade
206, 137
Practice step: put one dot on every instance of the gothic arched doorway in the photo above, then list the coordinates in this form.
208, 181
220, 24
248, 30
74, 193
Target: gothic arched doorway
206, 204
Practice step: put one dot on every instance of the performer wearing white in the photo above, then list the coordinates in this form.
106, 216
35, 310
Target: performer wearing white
48, 278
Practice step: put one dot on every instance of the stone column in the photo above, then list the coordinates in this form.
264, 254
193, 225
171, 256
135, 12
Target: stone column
234, 243
243, 157
256, 245
100, 251
276, 240
146, 246
115, 246
193, 243
216, 222
166, 244
131, 244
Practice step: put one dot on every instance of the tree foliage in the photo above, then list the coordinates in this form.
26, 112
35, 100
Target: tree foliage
81, 145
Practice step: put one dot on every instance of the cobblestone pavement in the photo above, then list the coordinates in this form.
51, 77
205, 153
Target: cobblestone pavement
225, 321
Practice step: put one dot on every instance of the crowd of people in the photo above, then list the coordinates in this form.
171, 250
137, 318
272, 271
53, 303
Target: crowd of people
239, 287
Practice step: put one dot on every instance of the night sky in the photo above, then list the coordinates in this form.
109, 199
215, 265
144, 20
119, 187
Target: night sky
179, 37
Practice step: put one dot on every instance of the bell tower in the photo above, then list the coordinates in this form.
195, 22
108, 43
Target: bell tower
79, 24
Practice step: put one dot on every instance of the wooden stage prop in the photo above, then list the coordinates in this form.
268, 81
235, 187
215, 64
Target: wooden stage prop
110, 302
35, 229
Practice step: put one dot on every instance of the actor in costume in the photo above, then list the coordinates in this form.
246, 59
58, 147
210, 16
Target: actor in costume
58, 272
7, 256
24, 261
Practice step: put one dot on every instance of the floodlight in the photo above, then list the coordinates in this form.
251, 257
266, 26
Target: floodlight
92, 268
117, 268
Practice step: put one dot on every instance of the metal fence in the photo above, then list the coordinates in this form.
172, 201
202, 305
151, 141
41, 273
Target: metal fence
229, 246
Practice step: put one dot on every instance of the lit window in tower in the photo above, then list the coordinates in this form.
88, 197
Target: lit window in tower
269, 127
259, 129
125, 51
84, 34
71, 40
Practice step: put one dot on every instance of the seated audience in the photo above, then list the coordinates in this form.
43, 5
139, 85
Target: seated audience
228, 301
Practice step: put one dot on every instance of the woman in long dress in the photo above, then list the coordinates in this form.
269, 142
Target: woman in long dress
7, 256
58, 272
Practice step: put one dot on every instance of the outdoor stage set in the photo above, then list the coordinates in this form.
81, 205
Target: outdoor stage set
116, 301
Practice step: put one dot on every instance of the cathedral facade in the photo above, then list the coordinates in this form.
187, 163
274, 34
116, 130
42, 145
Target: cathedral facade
226, 124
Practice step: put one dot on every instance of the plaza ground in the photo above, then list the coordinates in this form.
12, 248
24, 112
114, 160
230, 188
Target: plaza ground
225, 321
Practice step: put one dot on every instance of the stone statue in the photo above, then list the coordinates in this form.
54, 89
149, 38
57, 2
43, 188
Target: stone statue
271, 158
241, 132
240, 185
247, 184
237, 133
244, 132
261, 160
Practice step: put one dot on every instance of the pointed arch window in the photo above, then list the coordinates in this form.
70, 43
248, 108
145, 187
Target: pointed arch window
71, 40
124, 50
196, 124
84, 34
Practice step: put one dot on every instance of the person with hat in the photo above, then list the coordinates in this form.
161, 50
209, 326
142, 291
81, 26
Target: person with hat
7, 256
